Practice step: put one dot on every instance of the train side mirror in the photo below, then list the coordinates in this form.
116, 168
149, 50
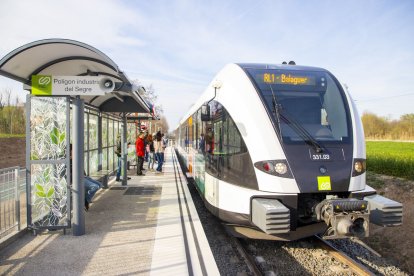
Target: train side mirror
205, 112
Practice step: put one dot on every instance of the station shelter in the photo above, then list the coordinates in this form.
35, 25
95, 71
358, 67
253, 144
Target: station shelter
80, 103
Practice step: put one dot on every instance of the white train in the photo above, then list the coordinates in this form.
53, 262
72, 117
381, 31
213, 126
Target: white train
278, 152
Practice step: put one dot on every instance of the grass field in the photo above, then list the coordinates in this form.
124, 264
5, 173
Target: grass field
391, 158
3, 135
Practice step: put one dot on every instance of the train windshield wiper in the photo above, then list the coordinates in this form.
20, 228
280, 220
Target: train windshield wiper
299, 129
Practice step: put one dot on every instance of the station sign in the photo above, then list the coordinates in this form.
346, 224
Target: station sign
46, 85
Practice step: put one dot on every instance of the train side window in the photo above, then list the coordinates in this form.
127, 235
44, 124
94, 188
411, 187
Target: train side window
227, 157
234, 143
236, 165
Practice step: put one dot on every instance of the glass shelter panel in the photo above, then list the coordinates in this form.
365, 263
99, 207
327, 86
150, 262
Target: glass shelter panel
47, 162
93, 161
48, 129
105, 158
93, 131
104, 131
49, 195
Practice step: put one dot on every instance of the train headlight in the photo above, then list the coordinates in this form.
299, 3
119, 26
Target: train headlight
275, 167
359, 166
281, 168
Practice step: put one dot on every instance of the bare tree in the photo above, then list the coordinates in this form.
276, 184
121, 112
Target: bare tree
150, 96
1, 101
164, 124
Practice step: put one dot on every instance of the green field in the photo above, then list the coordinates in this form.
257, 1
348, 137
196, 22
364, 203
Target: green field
3, 135
391, 158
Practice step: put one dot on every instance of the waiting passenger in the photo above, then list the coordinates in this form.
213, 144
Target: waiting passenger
159, 150
140, 150
118, 153
151, 153
145, 145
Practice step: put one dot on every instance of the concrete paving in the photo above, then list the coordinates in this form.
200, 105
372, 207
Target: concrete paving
131, 231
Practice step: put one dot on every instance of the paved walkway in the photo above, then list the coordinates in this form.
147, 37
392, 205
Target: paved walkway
144, 228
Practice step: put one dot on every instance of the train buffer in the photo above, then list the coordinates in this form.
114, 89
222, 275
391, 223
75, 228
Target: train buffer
148, 227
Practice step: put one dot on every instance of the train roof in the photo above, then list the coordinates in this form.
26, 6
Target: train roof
279, 66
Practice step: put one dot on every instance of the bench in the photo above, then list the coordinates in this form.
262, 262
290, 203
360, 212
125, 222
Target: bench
102, 176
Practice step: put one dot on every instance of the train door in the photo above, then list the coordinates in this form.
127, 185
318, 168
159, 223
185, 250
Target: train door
214, 141
218, 146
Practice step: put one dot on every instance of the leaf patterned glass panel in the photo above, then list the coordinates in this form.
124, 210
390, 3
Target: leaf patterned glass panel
48, 128
49, 195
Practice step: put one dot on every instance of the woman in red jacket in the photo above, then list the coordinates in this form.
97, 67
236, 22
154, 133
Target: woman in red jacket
140, 149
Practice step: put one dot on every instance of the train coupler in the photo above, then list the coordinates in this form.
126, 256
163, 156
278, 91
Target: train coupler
345, 218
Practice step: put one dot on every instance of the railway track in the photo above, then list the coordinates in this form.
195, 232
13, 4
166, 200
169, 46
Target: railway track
308, 256
248, 258
315, 243
341, 257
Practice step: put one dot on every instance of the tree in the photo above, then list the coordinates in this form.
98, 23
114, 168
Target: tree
375, 127
149, 95
12, 114
164, 124
1, 101
404, 128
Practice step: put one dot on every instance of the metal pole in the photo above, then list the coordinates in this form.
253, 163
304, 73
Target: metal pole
100, 141
28, 165
77, 168
17, 200
124, 152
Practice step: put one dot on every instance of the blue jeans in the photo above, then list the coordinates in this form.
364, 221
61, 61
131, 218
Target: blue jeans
160, 158
118, 172
91, 187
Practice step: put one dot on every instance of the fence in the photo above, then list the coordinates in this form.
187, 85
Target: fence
12, 200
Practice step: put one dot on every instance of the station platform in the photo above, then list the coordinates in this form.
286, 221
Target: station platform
149, 227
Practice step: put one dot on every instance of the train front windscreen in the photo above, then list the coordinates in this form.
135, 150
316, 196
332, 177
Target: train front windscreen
304, 105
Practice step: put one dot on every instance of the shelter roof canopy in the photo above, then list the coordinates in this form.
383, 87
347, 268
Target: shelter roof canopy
64, 57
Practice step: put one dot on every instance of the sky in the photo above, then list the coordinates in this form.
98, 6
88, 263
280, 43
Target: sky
179, 46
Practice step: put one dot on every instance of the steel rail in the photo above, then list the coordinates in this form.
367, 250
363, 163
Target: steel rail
341, 257
248, 259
